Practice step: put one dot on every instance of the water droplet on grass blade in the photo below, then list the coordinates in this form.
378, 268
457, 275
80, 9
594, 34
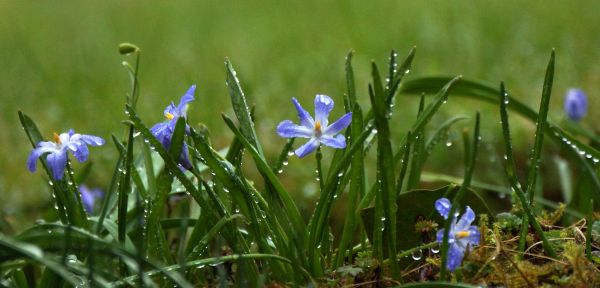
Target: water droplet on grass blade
417, 254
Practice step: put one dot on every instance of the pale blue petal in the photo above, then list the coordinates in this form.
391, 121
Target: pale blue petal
323, 106
43, 147
92, 140
171, 109
185, 99
466, 219
339, 125
439, 236
474, 235
305, 149
81, 153
162, 133
305, 119
57, 162
87, 198
455, 257
338, 141
443, 205
184, 158
288, 129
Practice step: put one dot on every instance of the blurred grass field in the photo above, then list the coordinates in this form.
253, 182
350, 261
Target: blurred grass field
59, 64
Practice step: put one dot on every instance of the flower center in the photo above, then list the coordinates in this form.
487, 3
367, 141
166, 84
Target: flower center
169, 116
462, 234
318, 128
57, 138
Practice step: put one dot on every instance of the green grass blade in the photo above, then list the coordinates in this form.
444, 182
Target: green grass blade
440, 134
240, 107
350, 98
386, 196
488, 93
318, 220
108, 201
540, 124
282, 160
264, 168
157, 242
125, 187
357, 172
36, 255
202, 263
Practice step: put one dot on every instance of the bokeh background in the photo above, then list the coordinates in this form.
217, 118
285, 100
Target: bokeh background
59, 64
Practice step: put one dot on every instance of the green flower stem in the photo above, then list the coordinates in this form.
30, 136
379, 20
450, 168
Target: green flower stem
319, 171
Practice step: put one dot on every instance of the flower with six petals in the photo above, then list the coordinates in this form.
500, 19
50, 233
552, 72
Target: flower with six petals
317, 130
164, 131
57, 151
462, 233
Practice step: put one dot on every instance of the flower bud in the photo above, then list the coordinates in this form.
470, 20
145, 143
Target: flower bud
127, 48
575, 104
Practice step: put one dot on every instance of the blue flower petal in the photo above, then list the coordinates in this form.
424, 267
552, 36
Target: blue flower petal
443, 205
81, 153
455, 257
57, 161
338, 141
339, 125
87, 198
323, 106
474, 235
185, 99
439, 236
162, 133
171, 109
305, 149
184, 158
42, 147
288, 129
466, 219
92, 140
305, 119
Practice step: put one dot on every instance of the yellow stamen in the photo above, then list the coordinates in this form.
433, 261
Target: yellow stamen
318, 126
462, 234
57, 138
169, 116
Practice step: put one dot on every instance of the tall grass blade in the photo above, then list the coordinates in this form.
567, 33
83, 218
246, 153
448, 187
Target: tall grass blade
240, 107
385, 199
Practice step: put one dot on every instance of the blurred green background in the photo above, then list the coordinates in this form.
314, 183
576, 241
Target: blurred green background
59, 64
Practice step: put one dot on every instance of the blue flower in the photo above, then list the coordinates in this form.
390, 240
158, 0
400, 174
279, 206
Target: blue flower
164, 131
462, 233
89, 197
575, 104
316, 130
57, 151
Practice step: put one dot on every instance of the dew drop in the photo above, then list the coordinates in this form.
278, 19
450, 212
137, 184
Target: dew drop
435, 249
417, 255
448, 143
